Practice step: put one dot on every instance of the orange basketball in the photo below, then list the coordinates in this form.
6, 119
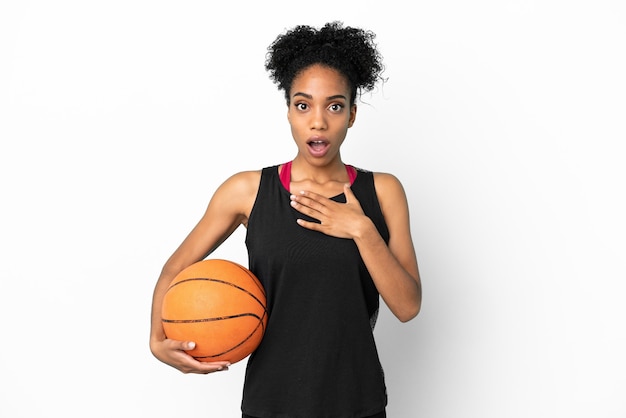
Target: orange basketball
218, 304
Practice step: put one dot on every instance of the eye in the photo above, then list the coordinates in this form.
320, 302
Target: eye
336, 107
301, 106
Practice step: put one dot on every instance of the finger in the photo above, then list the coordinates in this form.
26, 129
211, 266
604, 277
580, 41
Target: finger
179, 345
348, 192
182, 345
350, 197
199, 366
302, 199
312, 195
218, 366
193, 365
311, 199
305, 210
306, 205
314, 226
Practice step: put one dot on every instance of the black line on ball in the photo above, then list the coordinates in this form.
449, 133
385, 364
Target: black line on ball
219, 281
260, 324
217, 318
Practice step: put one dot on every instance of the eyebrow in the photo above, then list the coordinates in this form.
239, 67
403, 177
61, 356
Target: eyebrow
308, 96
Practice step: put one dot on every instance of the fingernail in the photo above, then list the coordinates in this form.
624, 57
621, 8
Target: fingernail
191, 345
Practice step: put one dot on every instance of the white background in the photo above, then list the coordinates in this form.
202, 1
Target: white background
505, 121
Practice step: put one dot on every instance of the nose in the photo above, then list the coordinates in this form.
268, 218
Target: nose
318, 120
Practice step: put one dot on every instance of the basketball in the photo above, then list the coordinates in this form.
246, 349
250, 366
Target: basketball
218, 304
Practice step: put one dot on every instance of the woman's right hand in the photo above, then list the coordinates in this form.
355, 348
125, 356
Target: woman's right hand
172, 352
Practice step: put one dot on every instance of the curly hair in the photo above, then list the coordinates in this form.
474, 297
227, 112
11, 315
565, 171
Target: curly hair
351, 51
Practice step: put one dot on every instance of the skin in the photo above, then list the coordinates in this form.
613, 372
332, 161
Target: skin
319, 112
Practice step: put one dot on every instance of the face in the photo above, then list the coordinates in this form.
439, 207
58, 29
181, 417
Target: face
320, 113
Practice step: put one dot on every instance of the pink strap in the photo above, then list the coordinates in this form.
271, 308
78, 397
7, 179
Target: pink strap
351, 173
285, 174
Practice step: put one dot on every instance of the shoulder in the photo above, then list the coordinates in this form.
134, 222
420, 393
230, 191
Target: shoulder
387, 184
238, 192
243, 180
245, 183
390, 193
380, 178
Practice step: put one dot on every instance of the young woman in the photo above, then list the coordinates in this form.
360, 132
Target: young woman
326, 239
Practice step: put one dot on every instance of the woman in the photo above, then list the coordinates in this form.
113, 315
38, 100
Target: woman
326, 240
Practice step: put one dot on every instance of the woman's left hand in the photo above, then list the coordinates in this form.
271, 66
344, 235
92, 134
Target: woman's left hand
341, 220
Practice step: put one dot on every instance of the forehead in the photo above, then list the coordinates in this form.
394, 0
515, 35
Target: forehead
321, 79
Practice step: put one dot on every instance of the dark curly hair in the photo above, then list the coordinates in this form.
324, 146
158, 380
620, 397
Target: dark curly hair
351, 51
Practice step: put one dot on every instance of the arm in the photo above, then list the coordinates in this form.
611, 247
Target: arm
229, 207
393, 267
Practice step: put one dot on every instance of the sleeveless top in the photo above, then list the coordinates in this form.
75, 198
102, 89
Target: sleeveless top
318, 357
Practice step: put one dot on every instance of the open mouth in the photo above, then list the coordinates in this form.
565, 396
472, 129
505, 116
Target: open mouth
318, 144
318, 147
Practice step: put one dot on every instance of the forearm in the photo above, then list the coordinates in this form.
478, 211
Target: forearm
156, 328
399, 288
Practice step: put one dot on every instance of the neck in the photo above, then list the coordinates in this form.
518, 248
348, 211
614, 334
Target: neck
302, 170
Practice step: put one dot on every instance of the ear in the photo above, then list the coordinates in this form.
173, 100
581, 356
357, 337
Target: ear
352, 115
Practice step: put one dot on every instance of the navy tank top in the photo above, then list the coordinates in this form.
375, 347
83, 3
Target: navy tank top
318, 357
